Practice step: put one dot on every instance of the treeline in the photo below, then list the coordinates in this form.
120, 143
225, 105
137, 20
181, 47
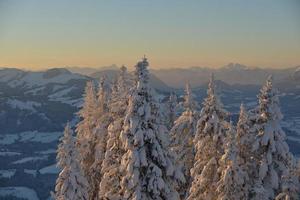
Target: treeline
129, 145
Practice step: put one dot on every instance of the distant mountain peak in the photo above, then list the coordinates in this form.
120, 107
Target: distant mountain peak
235, 66
296, 75
50, 73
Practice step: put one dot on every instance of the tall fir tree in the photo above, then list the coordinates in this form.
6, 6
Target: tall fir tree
289, 182
209, 146
86, 128
171, 110
245, 138
110, 183
189, 101
271, 150
148, 166
182, 135
234, 178
103, 119
70, 184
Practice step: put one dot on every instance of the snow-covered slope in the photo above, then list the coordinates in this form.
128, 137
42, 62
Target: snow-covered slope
34, 106
232, 73
18, 78
111, 74
41, 101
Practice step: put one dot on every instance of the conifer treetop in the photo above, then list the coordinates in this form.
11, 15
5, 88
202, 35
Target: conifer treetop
212, 103
147, 164
142, 74
70, 184
189, 102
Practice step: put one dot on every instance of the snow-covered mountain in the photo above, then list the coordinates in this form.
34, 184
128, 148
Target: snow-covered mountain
112, 74
46, 100
38, 100
231, 74
34, 106
90, 70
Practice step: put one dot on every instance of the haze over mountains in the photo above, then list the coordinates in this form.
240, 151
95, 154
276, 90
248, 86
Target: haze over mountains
38, 95
35, 106
233, 73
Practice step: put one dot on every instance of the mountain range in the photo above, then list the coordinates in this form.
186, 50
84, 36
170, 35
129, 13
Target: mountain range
35, 106
233, 73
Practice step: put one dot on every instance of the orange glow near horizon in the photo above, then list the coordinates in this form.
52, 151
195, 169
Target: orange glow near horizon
37, 35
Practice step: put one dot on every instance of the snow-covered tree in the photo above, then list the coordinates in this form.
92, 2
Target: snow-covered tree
289, 182
147, 164
85, 128
171, 110
209, 146
233, 182
70, 184
110, 183
189, 102
245, 138
124, 82
99, 139
102, 95
182, 135
270, 147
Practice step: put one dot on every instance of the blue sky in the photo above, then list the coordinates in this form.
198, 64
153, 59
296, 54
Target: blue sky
39, 34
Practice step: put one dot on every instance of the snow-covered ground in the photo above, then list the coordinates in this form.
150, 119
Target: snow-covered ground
30, 159
9, 153
8, 173
23, 105
30, 136
18, 192
46, 152
52, 169
30, 171
29, 154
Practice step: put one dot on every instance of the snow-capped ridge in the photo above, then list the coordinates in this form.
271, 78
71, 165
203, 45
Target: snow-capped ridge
51, 73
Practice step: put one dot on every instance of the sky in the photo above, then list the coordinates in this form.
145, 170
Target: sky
37, 34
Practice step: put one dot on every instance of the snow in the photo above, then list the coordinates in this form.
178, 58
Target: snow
27, 105
30, 171
9, 74
7, 173
63, 97
29, 136
9, 153
61, 93
8, 139
18, 192
52, 169
48, 151
34, 79
30, 159
42, 137
34, 91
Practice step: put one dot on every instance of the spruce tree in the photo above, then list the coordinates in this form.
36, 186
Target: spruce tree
290, 182
189, 102
233, 181
171, 110
147, 164
209, 146
270, 147
86, 129
99, 139
70, 184
245, 138
110, 183
182, 135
